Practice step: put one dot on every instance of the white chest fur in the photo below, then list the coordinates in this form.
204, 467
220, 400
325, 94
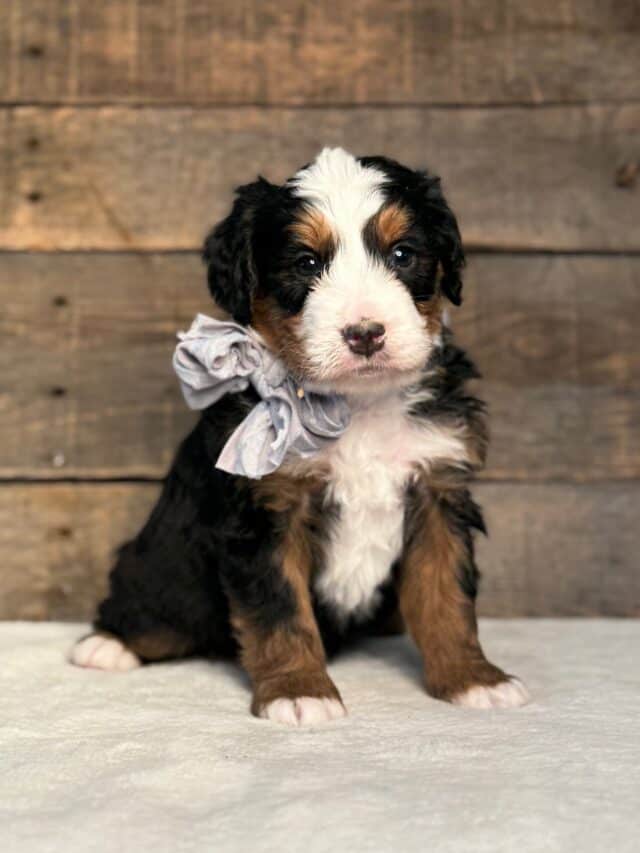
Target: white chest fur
370, 466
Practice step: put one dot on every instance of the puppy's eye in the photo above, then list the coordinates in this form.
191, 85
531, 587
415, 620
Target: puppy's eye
308, 264
402, 256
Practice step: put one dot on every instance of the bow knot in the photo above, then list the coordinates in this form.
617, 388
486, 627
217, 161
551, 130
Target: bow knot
218, 357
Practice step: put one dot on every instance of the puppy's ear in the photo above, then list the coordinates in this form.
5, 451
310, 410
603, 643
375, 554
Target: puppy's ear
442, 225
229, 251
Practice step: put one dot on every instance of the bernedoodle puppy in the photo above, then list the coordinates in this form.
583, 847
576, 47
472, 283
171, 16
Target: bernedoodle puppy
324, 492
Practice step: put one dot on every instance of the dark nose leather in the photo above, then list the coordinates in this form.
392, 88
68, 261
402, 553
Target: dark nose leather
364, 338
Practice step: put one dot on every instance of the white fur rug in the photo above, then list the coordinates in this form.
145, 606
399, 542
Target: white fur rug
167, 758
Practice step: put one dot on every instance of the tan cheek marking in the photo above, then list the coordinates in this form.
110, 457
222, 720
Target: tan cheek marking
280, 331
431, 310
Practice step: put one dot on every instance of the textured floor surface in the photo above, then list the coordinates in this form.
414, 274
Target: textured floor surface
167, 758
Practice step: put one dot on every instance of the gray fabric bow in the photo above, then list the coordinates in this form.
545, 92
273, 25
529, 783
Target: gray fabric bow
218, 357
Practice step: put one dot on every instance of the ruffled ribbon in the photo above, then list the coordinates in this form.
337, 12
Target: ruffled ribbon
218, 357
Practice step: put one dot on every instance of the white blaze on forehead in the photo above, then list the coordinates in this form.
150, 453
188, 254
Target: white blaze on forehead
344, 190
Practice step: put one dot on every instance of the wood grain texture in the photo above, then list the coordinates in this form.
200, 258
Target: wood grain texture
554, 550
557, 342
122, 178
292, 52
86, 383
58, 542
560, 550
87, 390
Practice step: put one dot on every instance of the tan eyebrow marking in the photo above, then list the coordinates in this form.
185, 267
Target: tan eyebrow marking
390, 224
314, 230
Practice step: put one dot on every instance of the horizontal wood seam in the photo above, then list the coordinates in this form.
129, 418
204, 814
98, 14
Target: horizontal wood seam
316, 105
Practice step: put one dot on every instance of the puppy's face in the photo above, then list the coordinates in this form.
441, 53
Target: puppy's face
341, 270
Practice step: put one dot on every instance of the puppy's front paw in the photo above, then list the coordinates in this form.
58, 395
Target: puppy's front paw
298, 698
303, 711
506, 694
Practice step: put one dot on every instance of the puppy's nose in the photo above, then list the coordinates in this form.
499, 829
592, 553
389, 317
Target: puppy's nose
364, 338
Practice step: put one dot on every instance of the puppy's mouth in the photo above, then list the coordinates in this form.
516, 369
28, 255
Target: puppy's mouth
371, 367
351, 366
365, 375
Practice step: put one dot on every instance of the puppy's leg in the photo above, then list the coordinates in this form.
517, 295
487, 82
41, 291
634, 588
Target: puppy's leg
436, 592
104, 650
280, 644
155, 605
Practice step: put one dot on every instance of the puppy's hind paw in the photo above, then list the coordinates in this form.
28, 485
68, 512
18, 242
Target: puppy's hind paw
101, 651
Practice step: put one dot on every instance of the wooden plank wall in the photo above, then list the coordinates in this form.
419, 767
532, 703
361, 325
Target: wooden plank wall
124, 127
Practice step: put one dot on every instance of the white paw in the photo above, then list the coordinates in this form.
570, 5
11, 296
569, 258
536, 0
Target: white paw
304, 711
100, 652
507, 694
